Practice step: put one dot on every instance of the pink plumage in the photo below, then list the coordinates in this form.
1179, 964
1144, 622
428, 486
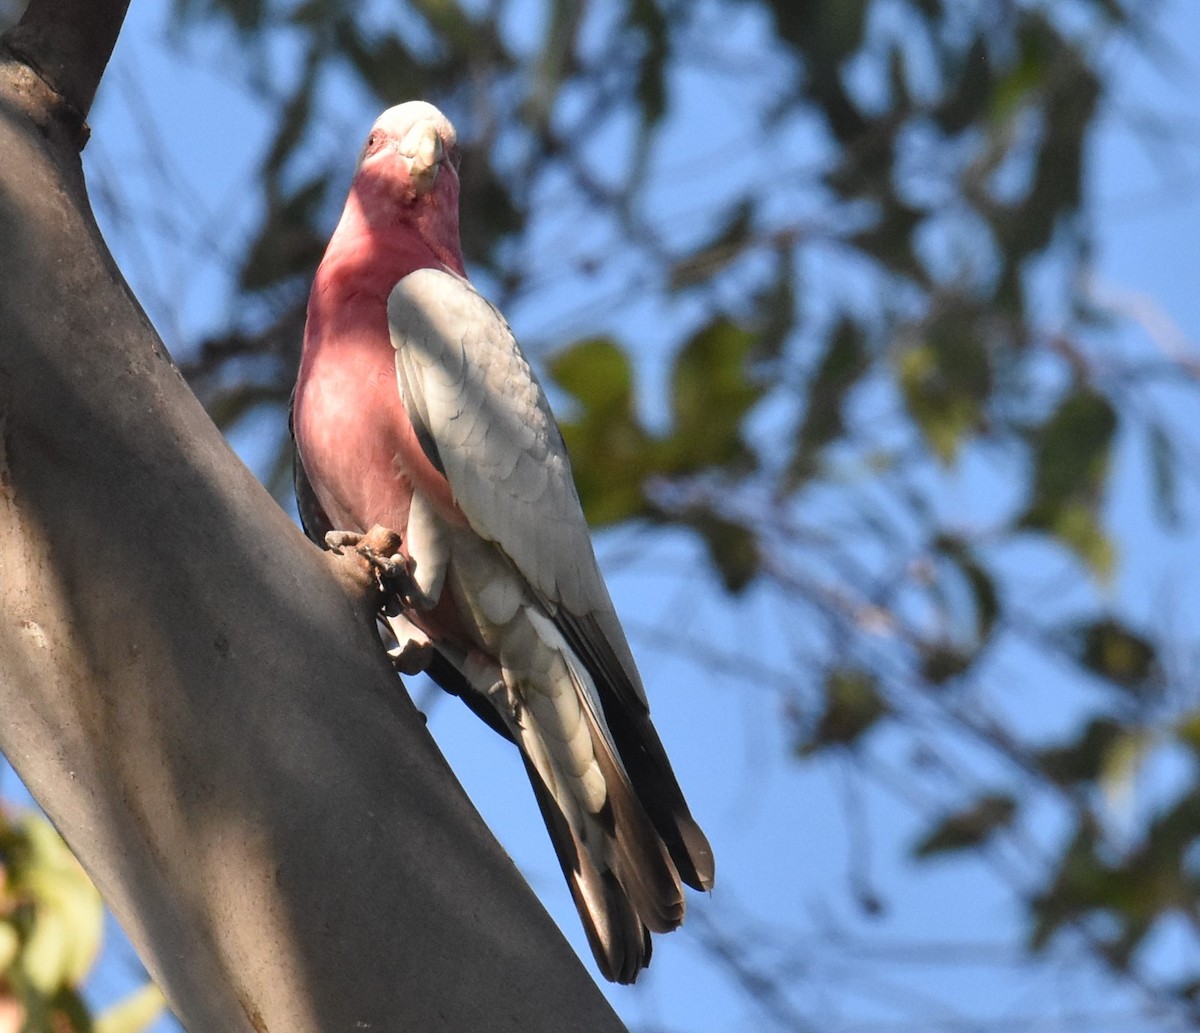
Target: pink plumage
415, 410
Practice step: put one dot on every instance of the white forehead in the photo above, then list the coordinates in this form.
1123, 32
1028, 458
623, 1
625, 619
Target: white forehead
397, 121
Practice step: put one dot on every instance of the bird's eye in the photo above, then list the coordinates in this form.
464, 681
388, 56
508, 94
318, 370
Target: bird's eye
371, 140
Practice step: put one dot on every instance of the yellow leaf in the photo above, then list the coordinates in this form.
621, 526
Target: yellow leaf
134, 1013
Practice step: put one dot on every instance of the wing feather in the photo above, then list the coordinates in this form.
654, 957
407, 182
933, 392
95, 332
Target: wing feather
468, 388
470, 391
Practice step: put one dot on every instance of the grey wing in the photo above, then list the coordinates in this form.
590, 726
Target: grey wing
481, 413
482, 416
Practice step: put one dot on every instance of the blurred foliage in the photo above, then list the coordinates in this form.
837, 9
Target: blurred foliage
852, 335
852, 706
51, 921
970, 827
616, 457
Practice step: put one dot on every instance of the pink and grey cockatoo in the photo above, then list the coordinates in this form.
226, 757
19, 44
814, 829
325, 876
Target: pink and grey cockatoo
415, 410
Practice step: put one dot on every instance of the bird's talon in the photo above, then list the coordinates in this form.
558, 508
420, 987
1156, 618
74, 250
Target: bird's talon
336, 541
379, 548
411, 657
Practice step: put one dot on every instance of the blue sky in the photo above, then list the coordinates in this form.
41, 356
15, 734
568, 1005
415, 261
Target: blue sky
778, 826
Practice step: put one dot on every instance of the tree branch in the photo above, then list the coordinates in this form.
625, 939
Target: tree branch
197, 704
67, 43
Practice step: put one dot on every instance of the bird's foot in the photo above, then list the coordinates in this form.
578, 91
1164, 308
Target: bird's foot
411, 649
411, 657
379, 548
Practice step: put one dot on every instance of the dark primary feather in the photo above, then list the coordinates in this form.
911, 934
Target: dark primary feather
313, 521
641, 751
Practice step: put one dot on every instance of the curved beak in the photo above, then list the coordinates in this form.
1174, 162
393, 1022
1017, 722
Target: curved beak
424, 153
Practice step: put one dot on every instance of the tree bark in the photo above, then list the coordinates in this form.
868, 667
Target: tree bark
200, 706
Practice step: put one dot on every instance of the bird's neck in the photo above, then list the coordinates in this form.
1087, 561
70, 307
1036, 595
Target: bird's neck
386, 237
375, 245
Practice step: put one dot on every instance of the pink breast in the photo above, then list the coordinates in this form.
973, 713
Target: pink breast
358, 446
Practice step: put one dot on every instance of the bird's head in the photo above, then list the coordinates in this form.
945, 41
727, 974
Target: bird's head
408, 173
412, 151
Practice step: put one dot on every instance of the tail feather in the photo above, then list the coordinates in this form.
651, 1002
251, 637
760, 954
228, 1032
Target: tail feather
640, 749
619, 940
616, 816
620, 873
654, 783
640, 859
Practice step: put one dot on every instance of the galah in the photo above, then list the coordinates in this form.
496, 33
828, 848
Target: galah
416, 410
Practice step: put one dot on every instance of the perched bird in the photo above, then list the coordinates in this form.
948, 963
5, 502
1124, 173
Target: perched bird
415, 410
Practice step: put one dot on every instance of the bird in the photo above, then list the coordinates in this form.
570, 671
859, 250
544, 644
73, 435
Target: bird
415, 410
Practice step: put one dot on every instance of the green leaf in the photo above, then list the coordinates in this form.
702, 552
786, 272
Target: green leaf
853, 705
612, 455
598, 375
1115, 652
1086, 758
69, 1012
845, 361
711, 393
969, 827
46, 957
1071, 461
1077, 525
645, 17
1187, 730
1067, 102
889, 240
732, 547
709, 258
1123, 761
970, 84
610, 452
134, 1013
10, 945
1133, 892
1016, 87
946, 377
1082, 879
1163, 462
985, 599
775, 309
68, 917
942, 661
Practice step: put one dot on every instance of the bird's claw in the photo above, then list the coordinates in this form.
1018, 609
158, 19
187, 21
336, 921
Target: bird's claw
380, 547
411, 657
